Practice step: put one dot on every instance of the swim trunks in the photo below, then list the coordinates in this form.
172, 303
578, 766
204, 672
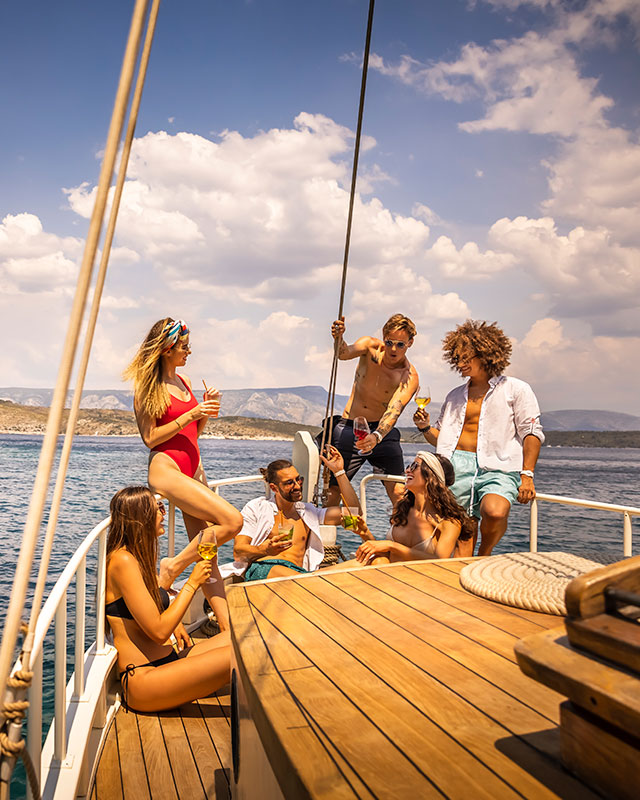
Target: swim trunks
385, 458
183, 447
473, 483
259, 570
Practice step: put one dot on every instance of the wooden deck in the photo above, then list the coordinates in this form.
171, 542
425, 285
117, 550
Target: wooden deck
185, 753
395, 682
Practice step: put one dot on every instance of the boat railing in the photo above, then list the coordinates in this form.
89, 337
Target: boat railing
98, 659
627, 511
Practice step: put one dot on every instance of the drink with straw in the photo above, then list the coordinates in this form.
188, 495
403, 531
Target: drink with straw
285, 527
349, 518
212, 395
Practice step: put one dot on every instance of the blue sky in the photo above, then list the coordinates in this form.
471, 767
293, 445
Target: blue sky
500, 180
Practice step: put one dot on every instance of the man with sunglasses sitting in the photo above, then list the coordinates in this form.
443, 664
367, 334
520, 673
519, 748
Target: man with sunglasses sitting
281, 535
384, 383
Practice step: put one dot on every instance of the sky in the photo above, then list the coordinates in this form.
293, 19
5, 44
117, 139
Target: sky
499, 180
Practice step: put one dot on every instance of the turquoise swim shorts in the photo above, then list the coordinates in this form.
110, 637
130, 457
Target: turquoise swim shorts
259, 570
473, 483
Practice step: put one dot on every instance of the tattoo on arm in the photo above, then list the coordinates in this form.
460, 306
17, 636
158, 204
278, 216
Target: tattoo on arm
342, 349
389, 417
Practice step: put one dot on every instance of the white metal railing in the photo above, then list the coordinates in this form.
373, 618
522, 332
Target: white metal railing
55, 608
627, 511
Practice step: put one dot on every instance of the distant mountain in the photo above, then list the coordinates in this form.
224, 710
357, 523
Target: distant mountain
570, 420
306, 404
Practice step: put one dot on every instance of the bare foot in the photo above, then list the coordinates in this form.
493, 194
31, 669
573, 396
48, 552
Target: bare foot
168, 572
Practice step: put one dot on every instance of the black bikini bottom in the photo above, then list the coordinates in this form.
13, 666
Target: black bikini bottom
131, 668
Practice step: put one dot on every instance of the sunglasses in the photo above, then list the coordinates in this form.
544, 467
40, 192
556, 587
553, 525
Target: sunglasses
464, 359
413, 467
161, 508
291, 481
399, 344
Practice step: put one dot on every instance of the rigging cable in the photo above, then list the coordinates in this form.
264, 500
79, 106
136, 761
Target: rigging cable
43, 475
327, 427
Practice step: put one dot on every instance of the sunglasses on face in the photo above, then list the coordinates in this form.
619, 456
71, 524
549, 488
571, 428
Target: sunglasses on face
413, 467
161, 508
465, 359
399, 344
299, 480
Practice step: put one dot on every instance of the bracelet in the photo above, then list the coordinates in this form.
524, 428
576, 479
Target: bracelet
527, 472
178, 424
189, 586
425, 430
378, 436
339, 473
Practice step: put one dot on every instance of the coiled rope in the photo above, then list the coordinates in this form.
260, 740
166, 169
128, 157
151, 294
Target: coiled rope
327, 427
19, 683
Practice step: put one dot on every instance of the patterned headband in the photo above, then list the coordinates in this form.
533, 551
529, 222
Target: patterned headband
433, 464
173, 331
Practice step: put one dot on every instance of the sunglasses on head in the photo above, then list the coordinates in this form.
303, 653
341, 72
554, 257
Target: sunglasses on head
391, 342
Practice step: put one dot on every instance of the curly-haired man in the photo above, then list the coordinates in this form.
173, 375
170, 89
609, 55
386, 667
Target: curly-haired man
489, 428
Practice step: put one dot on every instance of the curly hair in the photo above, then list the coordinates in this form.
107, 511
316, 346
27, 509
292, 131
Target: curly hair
482, 339
133, 525
444, 503
149, 391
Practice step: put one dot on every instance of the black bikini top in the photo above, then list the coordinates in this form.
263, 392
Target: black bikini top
118, 608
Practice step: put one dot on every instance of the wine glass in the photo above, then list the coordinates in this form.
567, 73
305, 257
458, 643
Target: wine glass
360, 430
208, 546
422, 399
422, 396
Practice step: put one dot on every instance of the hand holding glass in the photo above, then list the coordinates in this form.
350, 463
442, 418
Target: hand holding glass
422, 396
360, 430
208, 547
349, 517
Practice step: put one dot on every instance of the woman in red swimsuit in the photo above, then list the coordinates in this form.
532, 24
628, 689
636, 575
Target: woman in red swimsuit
170, 419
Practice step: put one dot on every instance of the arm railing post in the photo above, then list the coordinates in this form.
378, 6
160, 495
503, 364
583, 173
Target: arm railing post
626, 534
533, 526
101, 578
81, 606
60, 681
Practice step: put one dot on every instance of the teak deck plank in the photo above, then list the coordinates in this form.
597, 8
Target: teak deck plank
156, 759
439, 705
408, 694
476, 673
133, 769
108, 784
183, 765
205, 754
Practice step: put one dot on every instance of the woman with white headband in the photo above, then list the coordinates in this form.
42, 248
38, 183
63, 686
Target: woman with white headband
170, 420
426, 522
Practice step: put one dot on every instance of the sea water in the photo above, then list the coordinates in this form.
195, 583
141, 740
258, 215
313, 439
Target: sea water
99, 466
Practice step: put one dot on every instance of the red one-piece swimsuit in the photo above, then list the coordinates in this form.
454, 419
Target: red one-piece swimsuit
183, 447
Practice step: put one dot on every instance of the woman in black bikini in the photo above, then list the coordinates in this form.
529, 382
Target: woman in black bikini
154, 675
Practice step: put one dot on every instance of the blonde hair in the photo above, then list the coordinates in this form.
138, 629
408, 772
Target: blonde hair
398, 322
149, 390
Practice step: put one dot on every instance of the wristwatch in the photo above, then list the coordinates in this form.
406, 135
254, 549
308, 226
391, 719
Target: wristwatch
527, 472
378, 435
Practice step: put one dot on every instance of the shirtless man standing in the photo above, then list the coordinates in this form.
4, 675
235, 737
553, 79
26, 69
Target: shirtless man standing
384, 383
489, 428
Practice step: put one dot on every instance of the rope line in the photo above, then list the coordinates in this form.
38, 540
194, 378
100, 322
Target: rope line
13, 711
327, 427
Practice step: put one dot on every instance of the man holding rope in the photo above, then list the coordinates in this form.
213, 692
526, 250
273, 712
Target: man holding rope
384, 383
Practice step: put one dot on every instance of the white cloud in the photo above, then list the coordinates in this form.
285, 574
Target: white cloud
545, 352
469, 261
32, 260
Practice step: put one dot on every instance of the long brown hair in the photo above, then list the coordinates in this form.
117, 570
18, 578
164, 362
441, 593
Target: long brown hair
444, 503
133, 526
149, 390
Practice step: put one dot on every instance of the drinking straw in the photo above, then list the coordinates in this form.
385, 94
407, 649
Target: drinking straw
206, 388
